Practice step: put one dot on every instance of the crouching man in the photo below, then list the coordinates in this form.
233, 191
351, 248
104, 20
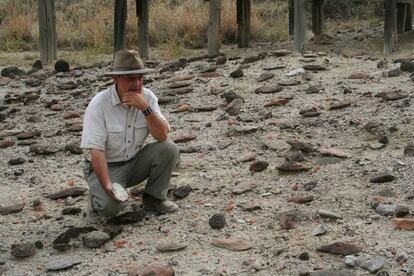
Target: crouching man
116, 123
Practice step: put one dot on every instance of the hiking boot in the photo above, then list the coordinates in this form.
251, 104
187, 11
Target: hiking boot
153, 204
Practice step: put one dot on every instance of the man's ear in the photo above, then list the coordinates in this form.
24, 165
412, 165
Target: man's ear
115, 77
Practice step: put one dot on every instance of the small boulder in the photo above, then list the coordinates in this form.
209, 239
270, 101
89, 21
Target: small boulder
61, 66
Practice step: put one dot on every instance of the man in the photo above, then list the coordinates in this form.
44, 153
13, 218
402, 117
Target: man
116, 123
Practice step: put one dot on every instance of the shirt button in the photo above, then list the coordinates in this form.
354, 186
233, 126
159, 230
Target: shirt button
129, 126
129, 142
127, 156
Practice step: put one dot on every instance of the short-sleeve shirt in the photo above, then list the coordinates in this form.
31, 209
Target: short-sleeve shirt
111, 127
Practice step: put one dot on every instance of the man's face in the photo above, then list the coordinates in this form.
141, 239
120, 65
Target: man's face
129, 83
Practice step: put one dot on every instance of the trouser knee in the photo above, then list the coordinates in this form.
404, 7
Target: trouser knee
109, 209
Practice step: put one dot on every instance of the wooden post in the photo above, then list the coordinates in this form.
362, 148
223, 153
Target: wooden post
143, 34
317, 16
47, 31
300, 28
401, 17
120, 24
390, 26
291, 17
214, 27
409, 21
243, 23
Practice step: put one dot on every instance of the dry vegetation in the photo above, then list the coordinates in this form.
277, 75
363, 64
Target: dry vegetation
174, 28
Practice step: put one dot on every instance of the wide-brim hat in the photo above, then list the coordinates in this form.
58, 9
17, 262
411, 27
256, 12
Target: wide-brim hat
128, 62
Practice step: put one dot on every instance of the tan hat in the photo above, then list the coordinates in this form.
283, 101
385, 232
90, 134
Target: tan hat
128, 62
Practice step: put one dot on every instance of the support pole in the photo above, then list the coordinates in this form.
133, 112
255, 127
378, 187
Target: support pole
143, 33
120, 24
390, 26
402, 10
243, 23
291, 17
317, 16
47, 31
409, 20
299, 29
214, 27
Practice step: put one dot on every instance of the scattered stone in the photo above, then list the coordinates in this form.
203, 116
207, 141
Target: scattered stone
339, 105
276, 102
288, 219
309, 186
178, 91
43, 149
232, 244
95, 239
231, 96
250, 206
62, 263
71, 211
184, 138
152, 270
12, 71
12, 209
319, 230
382, 178
17, 161
383, 273
38, 244
302, 146
328, 214
265, 76
182, 191
391, 95
127, 218
315, 67
304, 256
295, 156
385, 209
407, 66
403, 224
314, 89
234, 107
28, 135
309, 112
221, 60
351, 261
73, 192
268, 89
333, 152
250, 156
179, 84
113, 230
301, 199
61, 66
73, 148
205, 108
340, 248
243, 187
217, 221
391, 73
408, 150
359, 76
165, 99
253, 58
258, 166
6, 143
290, 82
237, 74
293, 167
373, 265
269, 67
241, 130
171, 247
401, 211
22, 250
181, 108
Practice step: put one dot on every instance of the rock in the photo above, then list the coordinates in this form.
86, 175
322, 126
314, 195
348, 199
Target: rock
250, 206
231, 96
205, 108
61, 66
403, 224
385, 209
171, 247
181, 108
28, 135
73, 192
319, 230
253, 58
295, 156
12, 209
22, 250
38, 244
401, 211
250, 156
269, 67
113, 230
315, 67
258, 166
243, 187
314, 89
382, 273
382, 178
71, 211
232, 244
328, 214
391, 95
391, 73
61, 247
268, 89
288, 219
182, 191
184, 138
265, 76
6, 144
234, 107
351, 261
281, 53
95, 239
302, 146
221, 60
301, 199
73, 148
340, 248
408, 150
293, 167
332, 273
373, 265
179, 84
152, 270
241, 130
16, 161
127, 218
276, 102
304, 256
333, 152
405, 65
217, 221
237, 74
359, 76
309, 112
290, 82
62, 263
339, 105
165, 99
178, 91
43, 149
12, 71
309, 186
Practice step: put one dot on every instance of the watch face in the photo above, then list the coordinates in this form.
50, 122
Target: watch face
119, 192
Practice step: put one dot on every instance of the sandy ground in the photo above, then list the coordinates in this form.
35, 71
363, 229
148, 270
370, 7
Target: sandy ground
213, 171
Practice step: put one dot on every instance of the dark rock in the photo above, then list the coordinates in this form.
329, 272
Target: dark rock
231, 96
392, 73
43, 149
74, 232
17, 161
221, 60
73, 192
253, 58
293, 167
2, 117
401, 211
265, 76
347, 90
182, 191
289, 82
127, 218
391, 95
339, 105
409, 149
71, 211
309, 112
38, 244
295, 156
61, 66
12, 209
288, 220
22, 250
407, 66
113, 230
73, 148
95, 239
304, 256
62, 247
340, 248
314, 67
237, 73
234, 108
382, 178
28, 135
217, 221
12, 71
6, 144
302, 146
184, 138
309, 186
258, 166
268, 89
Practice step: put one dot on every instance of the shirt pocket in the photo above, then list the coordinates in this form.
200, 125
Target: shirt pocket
140, 132
116, 137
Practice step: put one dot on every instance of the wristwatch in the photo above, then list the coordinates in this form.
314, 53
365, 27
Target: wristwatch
147, 111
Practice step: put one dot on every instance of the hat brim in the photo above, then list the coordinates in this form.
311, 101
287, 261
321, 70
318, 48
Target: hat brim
132, 72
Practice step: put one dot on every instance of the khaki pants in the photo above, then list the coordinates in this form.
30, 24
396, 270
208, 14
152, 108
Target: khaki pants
155, 161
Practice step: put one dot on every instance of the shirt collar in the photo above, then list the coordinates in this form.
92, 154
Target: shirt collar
114, 96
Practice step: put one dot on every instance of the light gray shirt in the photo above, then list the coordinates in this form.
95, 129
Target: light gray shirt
111, 127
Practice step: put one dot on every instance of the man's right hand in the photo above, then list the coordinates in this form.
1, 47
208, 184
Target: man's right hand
110, 192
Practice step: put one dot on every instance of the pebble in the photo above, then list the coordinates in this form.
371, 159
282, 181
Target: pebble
382, 178
351, 261
22, 250
217, 221
95, 239
319, 230
373, 265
